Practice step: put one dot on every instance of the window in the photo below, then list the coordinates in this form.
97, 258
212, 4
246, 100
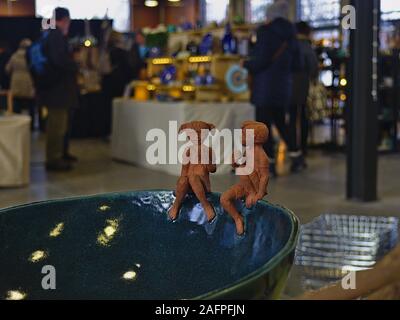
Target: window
117, 10
216, 10
390, 9
257, 9
320, 13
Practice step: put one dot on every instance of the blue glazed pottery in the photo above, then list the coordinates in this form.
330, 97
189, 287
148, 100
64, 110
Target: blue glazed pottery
199, 80
206, 44
168, 74
209, 79
229, 42
154, 52
123, 246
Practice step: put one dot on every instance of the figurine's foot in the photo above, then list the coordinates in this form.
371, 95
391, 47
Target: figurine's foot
239, 222
173, 213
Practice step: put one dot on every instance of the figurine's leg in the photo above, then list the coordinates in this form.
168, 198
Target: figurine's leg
199, 190
182, 189
228, 203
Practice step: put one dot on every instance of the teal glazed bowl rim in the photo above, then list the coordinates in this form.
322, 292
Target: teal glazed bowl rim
267, 267
219, 293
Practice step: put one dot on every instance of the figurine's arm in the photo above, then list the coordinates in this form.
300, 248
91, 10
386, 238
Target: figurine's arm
185, 167
212, 167
237, 156
234, 163
263, 171
259, 191
262, 187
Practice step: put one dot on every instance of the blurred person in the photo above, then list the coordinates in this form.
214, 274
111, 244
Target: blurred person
21, 86
62, 94
301, 86
75, 53
120, 74
271, 65
137, 55
4, 58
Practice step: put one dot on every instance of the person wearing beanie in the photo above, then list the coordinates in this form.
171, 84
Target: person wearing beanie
271, 64
61, 96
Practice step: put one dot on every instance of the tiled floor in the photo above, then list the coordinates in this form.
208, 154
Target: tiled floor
318, 190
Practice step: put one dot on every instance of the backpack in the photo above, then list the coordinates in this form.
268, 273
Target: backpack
43, 73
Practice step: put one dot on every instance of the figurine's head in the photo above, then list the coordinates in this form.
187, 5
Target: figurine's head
197, 131
261, 131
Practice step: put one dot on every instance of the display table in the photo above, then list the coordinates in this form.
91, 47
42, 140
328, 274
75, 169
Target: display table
133, 119
14, 150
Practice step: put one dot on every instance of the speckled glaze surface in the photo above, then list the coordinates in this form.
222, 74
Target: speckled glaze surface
122, 246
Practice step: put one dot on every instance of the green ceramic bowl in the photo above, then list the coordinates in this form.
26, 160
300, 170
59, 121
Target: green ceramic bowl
123, 246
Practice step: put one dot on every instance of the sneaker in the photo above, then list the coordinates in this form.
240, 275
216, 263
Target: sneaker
60, 166
70, 158
298, 164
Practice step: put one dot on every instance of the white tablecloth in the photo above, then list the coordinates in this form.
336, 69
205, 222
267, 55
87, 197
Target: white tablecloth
132, 120
14, 150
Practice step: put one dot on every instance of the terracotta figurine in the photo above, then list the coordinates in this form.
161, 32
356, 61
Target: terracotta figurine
251, 187
195, 175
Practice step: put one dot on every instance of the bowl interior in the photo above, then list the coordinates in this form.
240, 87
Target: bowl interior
122, 246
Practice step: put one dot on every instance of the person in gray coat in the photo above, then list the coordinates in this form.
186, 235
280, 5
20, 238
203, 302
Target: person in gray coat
21, 86
298, 126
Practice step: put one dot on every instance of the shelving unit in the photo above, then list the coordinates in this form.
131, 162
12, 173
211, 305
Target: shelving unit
389, 97
183, 87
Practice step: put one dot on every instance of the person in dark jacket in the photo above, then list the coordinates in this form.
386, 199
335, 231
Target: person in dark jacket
301, 87
121, 73
137, 55
271, 65
62, 95
5, 56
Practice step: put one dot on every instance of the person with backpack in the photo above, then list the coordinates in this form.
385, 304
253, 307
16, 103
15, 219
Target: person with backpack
55, 75
271, 64
301, 87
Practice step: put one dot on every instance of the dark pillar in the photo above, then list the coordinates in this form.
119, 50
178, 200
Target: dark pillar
362, 129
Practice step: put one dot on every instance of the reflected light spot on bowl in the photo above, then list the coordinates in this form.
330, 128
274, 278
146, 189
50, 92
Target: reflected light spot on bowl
37, 256
138, 265
110, 231
130, 275
57, 230
104, 208
105, 237
15, 295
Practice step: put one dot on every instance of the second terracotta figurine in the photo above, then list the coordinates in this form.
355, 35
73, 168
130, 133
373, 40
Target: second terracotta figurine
251, 187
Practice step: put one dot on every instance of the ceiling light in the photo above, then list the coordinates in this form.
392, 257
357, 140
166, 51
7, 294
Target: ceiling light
151, 3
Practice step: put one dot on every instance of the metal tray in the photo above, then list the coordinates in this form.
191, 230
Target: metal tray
332, 245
